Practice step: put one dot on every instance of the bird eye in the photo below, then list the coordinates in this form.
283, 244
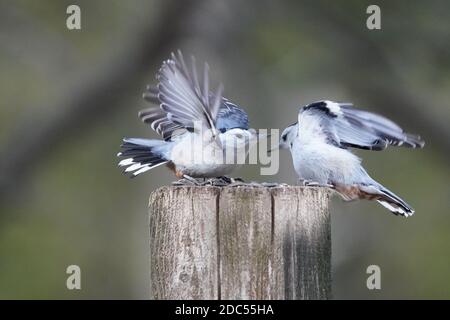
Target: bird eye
284, 137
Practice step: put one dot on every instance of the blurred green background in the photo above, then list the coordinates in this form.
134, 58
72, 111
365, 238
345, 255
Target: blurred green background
68, 97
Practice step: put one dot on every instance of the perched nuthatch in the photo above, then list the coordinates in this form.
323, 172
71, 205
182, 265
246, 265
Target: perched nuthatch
319, 143
197, 126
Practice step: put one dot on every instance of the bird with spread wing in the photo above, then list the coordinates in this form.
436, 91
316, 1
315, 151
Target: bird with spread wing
320, 143
199, 128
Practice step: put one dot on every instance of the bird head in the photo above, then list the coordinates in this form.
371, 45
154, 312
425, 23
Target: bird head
238, 137
288, 136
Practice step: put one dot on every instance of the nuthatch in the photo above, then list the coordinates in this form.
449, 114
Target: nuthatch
198, 127
320, 145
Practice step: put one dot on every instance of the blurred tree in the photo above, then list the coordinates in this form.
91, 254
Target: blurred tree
68, 98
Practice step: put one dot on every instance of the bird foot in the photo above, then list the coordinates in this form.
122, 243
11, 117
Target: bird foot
311, 183
272, 184
223, 181
236, 182
187, 180
217, 182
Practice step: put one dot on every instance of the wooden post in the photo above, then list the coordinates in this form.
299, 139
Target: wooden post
240, 243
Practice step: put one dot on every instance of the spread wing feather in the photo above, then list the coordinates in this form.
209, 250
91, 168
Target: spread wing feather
347, 126
184, 100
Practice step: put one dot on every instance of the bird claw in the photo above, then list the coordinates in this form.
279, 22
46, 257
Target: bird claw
186, 180
225, 181
217, 182
311, 183
272, 184
236, 182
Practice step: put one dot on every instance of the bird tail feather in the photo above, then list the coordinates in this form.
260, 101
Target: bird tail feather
387, 199
395, 204
141, 155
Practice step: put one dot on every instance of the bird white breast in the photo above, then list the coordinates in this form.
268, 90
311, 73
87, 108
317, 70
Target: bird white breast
316, 159
198, 158
324, 163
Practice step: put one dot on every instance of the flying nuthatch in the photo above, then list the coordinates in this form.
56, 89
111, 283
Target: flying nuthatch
198, 127
319, 143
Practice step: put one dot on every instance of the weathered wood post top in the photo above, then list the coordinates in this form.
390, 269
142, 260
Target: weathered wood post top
244, 242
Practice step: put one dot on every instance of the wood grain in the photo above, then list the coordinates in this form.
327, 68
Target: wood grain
240, 243
302, 244
183, 246
245, 233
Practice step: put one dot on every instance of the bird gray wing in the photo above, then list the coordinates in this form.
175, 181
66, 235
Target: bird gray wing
229, 116
185, 101
347, 126
159, 122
